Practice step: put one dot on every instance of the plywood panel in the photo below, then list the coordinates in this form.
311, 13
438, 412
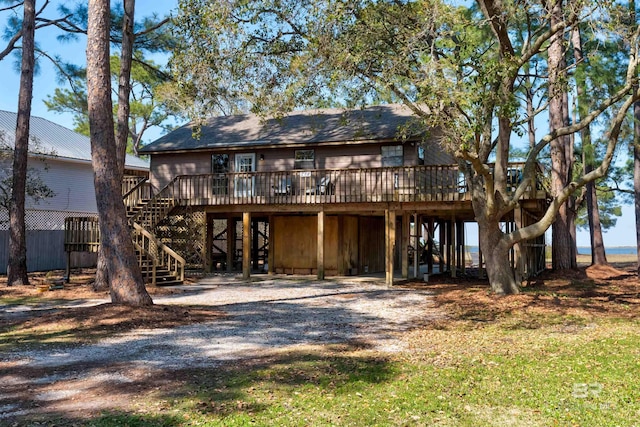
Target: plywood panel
348, 245
295, 243
372, 246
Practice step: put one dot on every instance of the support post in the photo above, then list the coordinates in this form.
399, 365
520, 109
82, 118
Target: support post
208, 245
417, 228
480, 259
442, 227
462, 259
231, 242
255, 242
67, 273
271, 247
431, 233
452, 247
390, 241
404, 244
342, 262
320, 250
519, 254
246, 245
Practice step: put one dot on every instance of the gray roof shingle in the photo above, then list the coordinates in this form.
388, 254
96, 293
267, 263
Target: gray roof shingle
48, 138
299, 127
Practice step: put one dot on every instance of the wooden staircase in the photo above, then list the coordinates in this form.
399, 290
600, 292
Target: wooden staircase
159, 264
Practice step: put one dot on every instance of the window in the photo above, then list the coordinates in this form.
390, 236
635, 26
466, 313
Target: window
304, 159
220, 163
220, 168
420, 154
392, 155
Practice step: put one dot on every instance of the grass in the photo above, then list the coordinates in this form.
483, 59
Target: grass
563, 353
493, 374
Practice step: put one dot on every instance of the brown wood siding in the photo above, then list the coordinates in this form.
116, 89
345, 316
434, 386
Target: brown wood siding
348, 234
295, 244
164, 167
372, 246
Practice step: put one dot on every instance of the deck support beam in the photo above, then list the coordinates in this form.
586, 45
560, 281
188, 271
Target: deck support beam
431, 234
480, 258
417, 230
320, 250
231, 242
208, 246
271, 248
441, 243
390, 243
518, 253
452, 247
404, 244
246, 245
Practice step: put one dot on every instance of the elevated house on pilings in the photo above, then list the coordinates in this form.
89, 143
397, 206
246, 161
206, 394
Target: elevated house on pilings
324, 192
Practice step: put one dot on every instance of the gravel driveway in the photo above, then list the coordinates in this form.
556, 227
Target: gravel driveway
262, 316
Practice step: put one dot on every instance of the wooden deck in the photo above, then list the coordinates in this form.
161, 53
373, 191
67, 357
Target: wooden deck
300, 188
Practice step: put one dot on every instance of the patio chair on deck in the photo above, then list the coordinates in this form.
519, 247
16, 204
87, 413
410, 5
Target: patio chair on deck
282, 187
323, 186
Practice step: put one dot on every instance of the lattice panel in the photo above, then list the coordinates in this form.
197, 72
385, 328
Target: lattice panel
184, 231
42, 220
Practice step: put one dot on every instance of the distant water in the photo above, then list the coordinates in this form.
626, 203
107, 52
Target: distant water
614, 250
585, 250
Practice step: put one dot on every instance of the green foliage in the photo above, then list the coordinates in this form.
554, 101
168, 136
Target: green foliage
146, 110
477, 76
36, 188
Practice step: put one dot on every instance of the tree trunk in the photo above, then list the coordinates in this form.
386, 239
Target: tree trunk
496, 253
636, 173
598, 255
101, 282
17, 266
563, 243
636, 153
124, 85
125, 279
124, 88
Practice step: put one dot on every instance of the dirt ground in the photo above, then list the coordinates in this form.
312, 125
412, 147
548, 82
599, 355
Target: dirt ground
607, 291
598, 290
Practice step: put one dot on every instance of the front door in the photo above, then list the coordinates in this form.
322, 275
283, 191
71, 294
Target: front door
245, 180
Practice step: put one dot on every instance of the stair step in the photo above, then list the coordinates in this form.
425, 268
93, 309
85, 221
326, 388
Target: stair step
169, 283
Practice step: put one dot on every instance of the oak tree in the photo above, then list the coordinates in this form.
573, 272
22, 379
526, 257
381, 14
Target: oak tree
459, 69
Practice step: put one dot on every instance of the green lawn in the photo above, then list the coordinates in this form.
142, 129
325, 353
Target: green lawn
566, 353
557, 374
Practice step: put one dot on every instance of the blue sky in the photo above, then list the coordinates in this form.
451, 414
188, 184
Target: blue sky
46, 82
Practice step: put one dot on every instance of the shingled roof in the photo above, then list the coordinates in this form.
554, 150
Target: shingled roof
51, 139
297, 128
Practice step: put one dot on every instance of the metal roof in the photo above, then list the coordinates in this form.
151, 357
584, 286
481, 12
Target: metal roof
377, 123
50, 139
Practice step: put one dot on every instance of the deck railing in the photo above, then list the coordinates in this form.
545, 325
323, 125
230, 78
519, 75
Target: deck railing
402, 184
134, 190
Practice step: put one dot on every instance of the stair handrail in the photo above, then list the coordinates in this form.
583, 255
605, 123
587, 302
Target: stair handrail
174, 262
166, 193
154, 264
142, 180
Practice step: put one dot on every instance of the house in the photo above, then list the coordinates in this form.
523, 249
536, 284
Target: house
325, 192
62, 159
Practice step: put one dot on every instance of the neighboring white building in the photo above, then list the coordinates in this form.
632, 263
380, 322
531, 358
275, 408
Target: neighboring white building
62, 158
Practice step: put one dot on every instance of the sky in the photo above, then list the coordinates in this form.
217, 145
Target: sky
623, 234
